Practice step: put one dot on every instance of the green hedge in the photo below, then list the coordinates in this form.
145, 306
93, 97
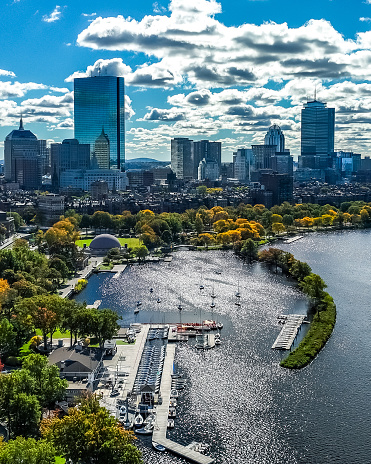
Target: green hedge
320, 331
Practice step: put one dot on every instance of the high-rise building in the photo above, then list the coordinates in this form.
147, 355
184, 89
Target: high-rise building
102, 151
182, 158
70, 154
99, 101
242, 163
317, 135
208, 150
275, 136
208, 169
22, 162
262, 155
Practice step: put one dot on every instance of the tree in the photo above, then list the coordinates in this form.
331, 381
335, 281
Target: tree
249, 249
7, 337
19, 407
85, 222
104, 324
90, 435
299, 270
141, 252
314, 287
199, 225
278, 227
48, 386
27, 450
18, 221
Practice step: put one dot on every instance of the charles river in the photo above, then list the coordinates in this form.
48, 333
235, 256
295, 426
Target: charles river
237, 399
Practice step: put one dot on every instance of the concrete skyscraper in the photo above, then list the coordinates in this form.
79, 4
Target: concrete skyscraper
275, 136
182, 158
22, 161
317, 135
99, 101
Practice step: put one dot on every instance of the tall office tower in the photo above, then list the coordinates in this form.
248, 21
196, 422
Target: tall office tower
22, 163
44, 152
182, 158
209, 151
70, 154
102, 151
317, 135
242, 162
275, 136
100, 102
262, 156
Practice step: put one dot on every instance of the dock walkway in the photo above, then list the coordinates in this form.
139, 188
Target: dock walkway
159, 434
289, 331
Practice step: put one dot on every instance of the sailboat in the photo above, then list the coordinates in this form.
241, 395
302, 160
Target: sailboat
238, 296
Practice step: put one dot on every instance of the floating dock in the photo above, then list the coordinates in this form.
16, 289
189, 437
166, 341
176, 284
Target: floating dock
95, 305
159, 433
289, 331
293, 239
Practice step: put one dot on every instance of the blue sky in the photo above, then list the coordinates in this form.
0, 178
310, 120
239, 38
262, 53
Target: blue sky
193, 68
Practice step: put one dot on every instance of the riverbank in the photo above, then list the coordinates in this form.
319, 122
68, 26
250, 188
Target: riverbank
320, 331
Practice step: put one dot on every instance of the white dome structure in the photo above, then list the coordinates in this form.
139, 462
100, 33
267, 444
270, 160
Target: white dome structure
101, 244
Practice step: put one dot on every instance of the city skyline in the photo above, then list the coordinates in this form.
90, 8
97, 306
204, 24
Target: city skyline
203, 70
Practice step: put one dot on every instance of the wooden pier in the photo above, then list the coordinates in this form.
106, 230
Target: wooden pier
289, 331
159, 433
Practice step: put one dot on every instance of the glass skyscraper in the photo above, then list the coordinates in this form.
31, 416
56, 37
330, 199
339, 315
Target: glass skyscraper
99, 103
317, 135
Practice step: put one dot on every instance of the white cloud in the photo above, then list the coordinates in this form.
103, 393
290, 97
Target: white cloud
88, 15
366, 20
3, 72
55, 15
17, 89
112, 67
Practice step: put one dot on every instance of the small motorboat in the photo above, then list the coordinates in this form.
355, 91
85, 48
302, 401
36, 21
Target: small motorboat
158, 447
237, 303
151, 290
149, 419
201, 287
139, 303
219, 325
158, 300
174, 393
238, 295
147, 430
212, 305
122, 410
170, 423
173, 402
138, 421
172, 412
136, 310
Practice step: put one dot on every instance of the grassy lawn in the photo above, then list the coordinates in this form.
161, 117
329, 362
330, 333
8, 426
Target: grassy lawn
105, 267
59, 460
132, 242
121, 342
57, 334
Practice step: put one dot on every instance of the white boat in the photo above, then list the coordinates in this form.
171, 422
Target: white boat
173, 402
138, 421
136, 310
174, 393
212, 305
158, 300
147, 430
172, 412
170, 423
139, 303
158, 447
149, 419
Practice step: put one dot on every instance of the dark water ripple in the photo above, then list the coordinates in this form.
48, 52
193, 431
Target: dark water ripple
238, 399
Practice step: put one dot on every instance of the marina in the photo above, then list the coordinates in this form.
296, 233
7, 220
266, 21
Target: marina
266, 414
289, 331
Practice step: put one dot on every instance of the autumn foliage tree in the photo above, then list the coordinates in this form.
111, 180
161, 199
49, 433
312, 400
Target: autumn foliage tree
90, 435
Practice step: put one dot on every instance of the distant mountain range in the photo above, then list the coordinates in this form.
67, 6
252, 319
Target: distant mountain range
144, 163
145, 160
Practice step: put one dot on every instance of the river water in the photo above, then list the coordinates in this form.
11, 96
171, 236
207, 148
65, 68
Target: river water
238, 400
